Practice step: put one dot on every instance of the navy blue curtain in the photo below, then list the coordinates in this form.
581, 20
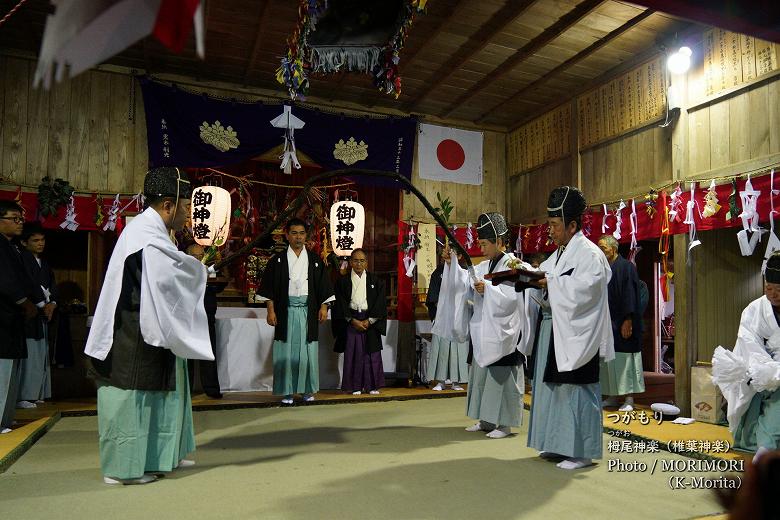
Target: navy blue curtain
198, 131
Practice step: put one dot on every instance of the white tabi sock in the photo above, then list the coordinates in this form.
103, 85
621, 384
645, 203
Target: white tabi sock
574, 463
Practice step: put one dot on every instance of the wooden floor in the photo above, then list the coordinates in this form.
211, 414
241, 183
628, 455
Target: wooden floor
34, 423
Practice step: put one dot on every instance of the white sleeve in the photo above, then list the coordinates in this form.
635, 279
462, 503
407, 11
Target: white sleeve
172, 314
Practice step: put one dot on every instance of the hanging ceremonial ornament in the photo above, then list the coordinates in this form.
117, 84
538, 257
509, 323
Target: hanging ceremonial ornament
733, 208
619, 220
587, 222
690, 220
635, 248
711, 206
290, 123
18, 200
409, 250
675, 205
335, 36
519, 242
650, 201
750, 235
113, 214
469, 237
100, 214
774, 243
604, 226
70, 216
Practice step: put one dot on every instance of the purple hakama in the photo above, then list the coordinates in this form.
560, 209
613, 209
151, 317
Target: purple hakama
362, 370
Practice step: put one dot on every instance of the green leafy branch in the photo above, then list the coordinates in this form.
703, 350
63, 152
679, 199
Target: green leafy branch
53, 193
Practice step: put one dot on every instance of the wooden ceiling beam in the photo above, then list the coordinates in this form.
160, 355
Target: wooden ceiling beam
565, 22
476, 42
531, 87
258, 39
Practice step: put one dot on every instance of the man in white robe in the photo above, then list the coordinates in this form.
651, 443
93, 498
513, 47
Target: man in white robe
749, 377
148, 320
566, 419
494, 317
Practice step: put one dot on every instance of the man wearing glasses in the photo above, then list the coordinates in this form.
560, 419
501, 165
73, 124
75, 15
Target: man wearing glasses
19, 301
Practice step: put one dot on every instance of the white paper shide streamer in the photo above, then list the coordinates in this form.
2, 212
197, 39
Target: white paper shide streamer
70, 217
690, 219
774, 243
619, 220
113, 214
751, 232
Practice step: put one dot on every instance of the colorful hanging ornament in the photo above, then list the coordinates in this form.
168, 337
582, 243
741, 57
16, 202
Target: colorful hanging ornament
410, 250
18, 200
100, 214
650, 201
731, 215
113, 214
619, 220
711, 206
587, 222
70, 216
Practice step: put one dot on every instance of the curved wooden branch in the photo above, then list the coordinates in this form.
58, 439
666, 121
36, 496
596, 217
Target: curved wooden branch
285, 215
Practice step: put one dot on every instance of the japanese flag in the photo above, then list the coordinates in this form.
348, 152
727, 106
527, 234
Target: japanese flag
449, 154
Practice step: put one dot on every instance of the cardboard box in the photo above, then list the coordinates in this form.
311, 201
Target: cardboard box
706, 400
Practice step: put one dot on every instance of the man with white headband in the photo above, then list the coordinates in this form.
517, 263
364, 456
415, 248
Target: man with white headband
495, 319
566, 420
749, 377
148, 320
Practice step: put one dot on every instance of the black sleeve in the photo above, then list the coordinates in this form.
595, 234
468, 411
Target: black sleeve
268, 283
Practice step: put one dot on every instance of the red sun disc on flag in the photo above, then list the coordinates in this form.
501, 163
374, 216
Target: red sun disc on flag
450, 154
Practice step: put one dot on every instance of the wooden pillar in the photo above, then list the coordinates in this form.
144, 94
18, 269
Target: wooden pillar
685, 339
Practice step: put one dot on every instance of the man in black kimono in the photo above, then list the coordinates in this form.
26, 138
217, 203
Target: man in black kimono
623, 375
20, 299
298, 289
359, 321
35, 385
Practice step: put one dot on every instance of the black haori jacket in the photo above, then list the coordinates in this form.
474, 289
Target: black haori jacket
43, 275
377, 308
275, 286
14, 286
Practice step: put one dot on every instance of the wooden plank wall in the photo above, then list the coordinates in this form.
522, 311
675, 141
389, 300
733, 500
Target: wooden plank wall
741, 131
469, 201
627, 166
528, 192
79, 131
725, 282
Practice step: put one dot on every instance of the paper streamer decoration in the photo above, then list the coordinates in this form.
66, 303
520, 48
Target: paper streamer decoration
70, 217
619, 220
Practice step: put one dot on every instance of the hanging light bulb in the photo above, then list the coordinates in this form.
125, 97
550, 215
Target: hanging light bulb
680, 61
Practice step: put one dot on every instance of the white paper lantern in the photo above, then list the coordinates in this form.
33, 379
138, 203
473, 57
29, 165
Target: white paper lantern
210, 215
347, 224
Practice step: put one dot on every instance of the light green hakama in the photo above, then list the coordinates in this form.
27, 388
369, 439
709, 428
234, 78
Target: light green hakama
760, 424
565, 418
296, 362
143, 431
36, 370
495, 395
623, 375
9, 386
448, 360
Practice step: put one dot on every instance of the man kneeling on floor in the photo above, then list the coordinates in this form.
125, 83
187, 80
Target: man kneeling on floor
149, 319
